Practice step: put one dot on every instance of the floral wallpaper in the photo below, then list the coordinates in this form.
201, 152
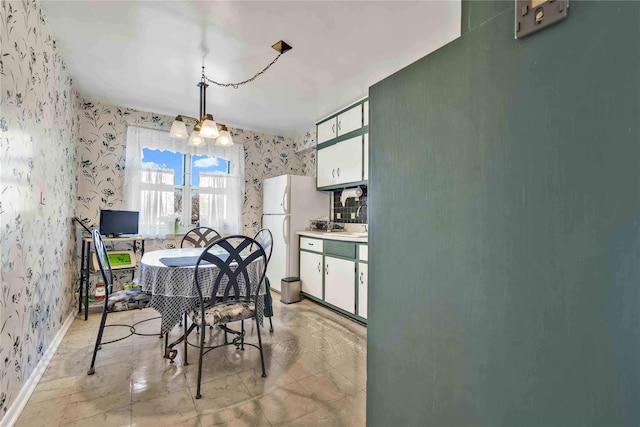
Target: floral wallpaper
101, 160
39, 131
306, 142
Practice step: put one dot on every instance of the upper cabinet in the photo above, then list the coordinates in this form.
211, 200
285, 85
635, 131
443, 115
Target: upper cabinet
340, 163
343, 147
348, 121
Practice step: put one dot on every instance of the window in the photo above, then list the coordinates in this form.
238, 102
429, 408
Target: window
165, 179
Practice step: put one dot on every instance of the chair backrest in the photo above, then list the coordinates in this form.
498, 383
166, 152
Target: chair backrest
241, 265
200, 237
103, 263
265, 238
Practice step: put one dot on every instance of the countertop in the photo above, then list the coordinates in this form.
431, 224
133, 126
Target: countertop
337, 235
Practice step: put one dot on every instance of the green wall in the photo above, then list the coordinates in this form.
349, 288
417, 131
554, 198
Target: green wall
505, 226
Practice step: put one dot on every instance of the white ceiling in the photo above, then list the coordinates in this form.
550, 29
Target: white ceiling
148, 55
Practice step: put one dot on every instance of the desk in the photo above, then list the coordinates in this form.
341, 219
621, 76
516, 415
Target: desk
85, 265
173, 290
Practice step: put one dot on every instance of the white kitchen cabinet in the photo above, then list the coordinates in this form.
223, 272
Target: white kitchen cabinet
327, 130
363, 289
365, 113
334, 273
311, 269
365, 158
339, 282
340, 163
348, 121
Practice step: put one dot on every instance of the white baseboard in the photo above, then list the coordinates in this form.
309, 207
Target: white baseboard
30, 385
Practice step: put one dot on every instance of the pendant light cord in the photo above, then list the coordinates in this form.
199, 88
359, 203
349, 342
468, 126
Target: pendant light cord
237, 85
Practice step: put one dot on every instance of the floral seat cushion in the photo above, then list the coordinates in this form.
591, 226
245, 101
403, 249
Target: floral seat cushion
225, 312
128, 299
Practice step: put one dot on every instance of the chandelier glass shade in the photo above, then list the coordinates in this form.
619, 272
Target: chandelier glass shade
205, 127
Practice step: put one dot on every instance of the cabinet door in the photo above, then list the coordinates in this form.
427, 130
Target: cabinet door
327, 159
363, 289
311, 273
365, 159
365, 113
339, 283
327, 130
349, 161
350, 120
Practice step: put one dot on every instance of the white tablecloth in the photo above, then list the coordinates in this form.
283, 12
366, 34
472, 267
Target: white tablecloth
173, 290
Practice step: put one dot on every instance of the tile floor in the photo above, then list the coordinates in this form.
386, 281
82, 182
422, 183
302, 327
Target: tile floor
315, 359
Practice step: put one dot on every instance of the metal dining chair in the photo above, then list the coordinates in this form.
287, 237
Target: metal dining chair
199, 237
104, 266
231, 295
265, 238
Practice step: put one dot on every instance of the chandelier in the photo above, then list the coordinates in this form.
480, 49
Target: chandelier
206, 127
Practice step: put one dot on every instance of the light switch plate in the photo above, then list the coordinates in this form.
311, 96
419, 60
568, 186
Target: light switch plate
534, 15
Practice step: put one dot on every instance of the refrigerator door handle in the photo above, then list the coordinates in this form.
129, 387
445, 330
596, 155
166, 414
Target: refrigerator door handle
285, 228
285, 200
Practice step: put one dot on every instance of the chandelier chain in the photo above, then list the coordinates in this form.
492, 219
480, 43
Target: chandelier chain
237, 85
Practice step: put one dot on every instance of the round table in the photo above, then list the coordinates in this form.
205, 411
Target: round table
168, 275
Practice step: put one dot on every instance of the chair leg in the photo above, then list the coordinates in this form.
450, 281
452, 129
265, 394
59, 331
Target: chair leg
264, 373
166, 347
103, 320
271, 325
198, 395
242, 335
185, 340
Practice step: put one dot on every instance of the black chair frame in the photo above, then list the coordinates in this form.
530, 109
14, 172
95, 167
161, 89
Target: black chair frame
200, 237
107, 276
230, 269
265, 238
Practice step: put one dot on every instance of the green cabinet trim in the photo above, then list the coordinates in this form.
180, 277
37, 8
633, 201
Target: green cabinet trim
341, 138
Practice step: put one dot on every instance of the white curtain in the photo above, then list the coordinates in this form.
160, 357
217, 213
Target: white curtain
152, 192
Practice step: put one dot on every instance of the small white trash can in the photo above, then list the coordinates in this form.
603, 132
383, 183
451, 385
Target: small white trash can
290, 290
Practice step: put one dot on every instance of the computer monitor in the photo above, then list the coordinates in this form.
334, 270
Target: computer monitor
114, 223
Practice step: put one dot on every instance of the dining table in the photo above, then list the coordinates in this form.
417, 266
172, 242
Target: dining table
169, 276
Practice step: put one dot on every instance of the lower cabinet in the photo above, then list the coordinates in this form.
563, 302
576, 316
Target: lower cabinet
339, 278
311, 273
363, 289
335, 273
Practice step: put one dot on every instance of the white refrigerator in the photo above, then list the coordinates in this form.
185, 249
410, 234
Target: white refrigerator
289, 202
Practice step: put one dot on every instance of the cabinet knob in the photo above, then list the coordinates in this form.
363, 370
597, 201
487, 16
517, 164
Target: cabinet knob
333, 173
326, 269
318, 266
338, 171
333, 128
339, 125
361, 278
